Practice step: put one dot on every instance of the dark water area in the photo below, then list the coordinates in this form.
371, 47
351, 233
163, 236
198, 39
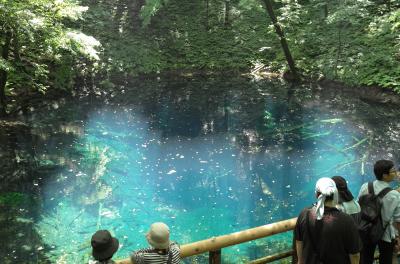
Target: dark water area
208, 156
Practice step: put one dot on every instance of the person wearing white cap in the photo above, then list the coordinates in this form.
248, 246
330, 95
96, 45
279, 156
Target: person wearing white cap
162, 250
323, 234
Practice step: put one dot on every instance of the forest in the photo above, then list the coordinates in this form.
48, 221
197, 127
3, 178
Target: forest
53, 47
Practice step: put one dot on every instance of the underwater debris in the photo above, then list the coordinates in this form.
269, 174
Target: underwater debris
331, 121
56, 227
314, 135
24, 220
264, 187
102, 166
171, 172
357, 144
101, 192
333, 147
112, 214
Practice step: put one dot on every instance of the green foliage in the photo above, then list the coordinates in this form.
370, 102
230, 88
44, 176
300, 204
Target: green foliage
353, 41
42, 49
181, 36
356, 42
5, 65
334, 39
12, 199
150, 9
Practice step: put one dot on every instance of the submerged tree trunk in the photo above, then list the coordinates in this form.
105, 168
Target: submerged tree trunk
3, 73
285, 47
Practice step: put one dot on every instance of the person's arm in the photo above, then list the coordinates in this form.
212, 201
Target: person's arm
299, 250
361, 192
355, 258
137, 257
397, 226
397, 239
125, 261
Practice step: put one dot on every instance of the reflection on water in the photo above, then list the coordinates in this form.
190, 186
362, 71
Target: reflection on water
208, 157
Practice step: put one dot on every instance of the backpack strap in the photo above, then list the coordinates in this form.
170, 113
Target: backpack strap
382, 193
371, 188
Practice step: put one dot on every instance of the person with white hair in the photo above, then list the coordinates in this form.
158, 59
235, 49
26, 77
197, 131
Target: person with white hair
162, 250
323, 234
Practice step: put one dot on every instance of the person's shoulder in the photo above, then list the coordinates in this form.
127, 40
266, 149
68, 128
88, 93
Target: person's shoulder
393, 194
302, 216
364, 186
175, 245
140, 252
305, 210
345, 218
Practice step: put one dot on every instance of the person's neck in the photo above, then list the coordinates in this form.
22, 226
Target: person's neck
329, 204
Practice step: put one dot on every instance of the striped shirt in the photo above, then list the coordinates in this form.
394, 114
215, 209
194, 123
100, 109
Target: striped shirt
152, 256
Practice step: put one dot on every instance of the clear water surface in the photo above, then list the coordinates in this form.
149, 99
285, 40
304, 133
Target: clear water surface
206, 156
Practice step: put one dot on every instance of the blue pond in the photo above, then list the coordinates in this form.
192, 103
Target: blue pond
206, 156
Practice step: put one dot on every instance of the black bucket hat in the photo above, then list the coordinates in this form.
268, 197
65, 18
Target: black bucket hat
344, 193
103, 245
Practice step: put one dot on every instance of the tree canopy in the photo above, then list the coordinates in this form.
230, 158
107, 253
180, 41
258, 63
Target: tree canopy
59, 43
39, 49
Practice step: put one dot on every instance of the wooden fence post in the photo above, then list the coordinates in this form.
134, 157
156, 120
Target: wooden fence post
214, 257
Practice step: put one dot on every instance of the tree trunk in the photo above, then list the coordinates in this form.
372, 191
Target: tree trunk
339, 51
134, 7
3, 73
227, 10
119, 13
207, 14
285, 47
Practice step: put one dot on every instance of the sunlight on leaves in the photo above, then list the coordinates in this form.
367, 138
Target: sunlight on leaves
86, 44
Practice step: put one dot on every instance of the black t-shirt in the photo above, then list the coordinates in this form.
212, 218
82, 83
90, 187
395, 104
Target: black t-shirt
337, 237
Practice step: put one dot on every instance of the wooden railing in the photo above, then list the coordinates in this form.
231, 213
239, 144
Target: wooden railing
215, 244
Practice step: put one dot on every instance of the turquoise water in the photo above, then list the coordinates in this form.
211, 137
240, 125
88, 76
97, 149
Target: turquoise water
206, 162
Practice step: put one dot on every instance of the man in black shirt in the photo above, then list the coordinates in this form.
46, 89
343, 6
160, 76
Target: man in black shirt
324, 234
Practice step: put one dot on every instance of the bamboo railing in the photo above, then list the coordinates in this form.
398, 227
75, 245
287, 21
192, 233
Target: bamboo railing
215, 244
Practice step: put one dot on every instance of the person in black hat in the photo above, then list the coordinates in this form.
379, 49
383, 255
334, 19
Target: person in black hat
346, 202
103, 247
